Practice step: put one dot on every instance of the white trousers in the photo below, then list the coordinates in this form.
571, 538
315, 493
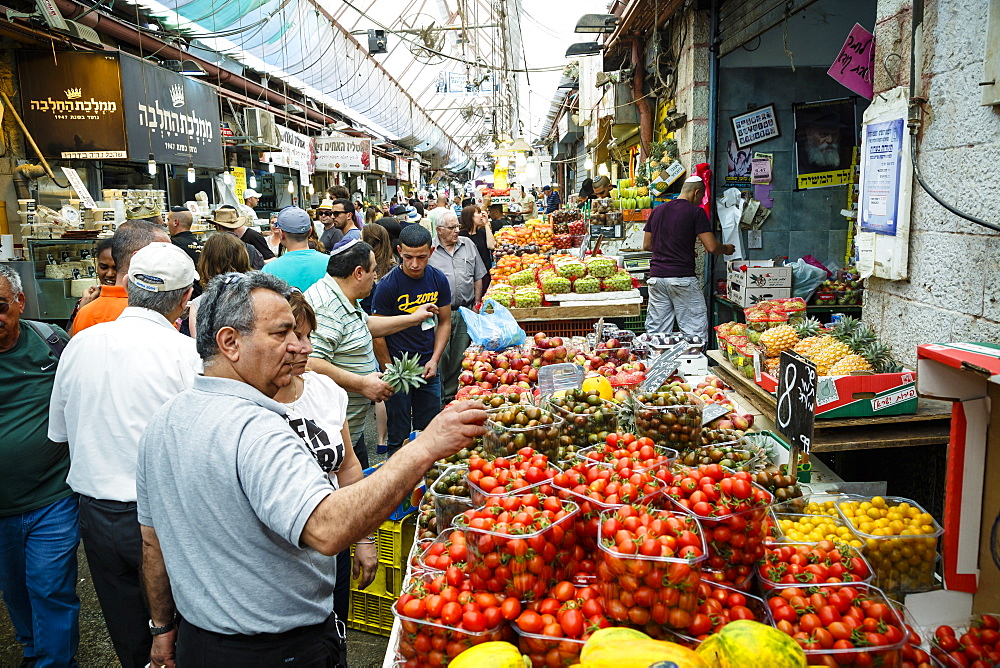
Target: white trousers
680, 300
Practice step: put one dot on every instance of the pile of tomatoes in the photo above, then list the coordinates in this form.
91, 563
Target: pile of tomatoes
641, 454
649, 567
717, 606
978, 647
731, 510
599, 488
850, 625
552, 630
447, 550
441, 617
803, 564
508, 475
521, 542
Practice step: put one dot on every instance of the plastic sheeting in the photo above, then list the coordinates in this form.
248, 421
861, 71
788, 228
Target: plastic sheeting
296, 41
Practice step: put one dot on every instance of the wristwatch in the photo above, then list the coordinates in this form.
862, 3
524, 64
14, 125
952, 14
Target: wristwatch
160, 630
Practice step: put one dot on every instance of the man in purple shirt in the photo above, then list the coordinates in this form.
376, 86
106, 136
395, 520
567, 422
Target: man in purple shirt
674, 290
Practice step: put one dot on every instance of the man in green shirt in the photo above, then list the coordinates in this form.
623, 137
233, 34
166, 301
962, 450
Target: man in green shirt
39, 529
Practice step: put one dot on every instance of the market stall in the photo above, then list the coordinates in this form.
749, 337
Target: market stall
592, 471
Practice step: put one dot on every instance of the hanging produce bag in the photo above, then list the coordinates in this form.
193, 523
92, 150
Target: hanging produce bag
493, 331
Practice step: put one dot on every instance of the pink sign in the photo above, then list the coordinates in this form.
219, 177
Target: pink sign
855, 63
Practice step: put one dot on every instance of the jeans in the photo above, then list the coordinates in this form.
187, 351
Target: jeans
680, 299
113, 541
38, 578
451, 360
412, 411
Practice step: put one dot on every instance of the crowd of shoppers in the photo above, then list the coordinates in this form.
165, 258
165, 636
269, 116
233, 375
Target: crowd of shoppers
216, 478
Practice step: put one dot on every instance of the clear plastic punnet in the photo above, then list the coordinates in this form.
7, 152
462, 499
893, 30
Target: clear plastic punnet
650, 592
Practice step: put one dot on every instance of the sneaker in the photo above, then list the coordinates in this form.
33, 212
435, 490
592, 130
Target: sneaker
381, 448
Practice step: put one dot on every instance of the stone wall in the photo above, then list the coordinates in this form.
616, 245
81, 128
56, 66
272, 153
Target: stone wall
954, 265
692, 91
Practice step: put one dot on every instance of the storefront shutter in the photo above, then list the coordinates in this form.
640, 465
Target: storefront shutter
742, 20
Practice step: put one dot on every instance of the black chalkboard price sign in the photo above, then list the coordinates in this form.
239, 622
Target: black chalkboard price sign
796, 411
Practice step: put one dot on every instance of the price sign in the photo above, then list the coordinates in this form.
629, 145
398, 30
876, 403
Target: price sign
663, 366
713, 412
556, 377
80, 188
796, 411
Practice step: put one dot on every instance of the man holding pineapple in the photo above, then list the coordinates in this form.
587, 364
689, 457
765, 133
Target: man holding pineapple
674, 291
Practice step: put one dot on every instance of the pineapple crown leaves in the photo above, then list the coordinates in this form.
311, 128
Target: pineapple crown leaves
405, 373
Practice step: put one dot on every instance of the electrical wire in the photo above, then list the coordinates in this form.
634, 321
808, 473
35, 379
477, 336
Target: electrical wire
404, 36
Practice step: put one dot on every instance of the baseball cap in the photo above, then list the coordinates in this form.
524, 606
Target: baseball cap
398, 210
250, 192
412, 215
294, 220
546, 187
161, 266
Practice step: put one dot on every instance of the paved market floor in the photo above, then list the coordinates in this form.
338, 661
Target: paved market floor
364, 650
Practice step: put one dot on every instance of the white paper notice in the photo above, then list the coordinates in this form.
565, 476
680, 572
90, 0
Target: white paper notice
730, 210
865, 242
79, 187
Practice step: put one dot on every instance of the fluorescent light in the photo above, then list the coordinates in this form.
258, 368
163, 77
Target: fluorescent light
291, 187
151, 165
253, 181
191, 173
588, 164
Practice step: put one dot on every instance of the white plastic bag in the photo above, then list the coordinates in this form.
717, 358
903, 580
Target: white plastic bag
805, 278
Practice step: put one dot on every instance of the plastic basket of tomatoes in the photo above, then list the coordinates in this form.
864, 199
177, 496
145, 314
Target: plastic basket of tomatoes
719, 604
649, 567
552, 631
900, 537
529, 535
837, 625
451, 494
514, 427
802, 564
668, 418
598, 488
643, 453
447, 550
524, 471
440, 618
732, 512
972, 642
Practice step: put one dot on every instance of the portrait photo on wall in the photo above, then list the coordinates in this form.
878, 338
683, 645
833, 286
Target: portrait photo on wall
826, 136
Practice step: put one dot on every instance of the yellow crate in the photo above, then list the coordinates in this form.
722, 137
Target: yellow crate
394, 540
388, 581
370, 613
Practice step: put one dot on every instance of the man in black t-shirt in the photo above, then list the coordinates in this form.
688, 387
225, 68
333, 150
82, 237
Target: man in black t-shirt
674, 290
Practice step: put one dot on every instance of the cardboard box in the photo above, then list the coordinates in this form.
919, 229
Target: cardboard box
745, 296
968, 374
759, 274
872, 395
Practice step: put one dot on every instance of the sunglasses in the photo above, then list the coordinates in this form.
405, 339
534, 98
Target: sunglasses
324, 213
4, 307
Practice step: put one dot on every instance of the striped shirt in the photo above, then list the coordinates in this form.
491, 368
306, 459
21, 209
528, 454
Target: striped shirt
343, 339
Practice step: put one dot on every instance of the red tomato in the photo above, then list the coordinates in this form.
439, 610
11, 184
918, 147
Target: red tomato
530, 622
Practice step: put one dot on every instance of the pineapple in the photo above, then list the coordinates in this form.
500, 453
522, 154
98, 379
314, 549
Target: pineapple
808, 328
778, 339
805, 346
879, 355
827, 353
849, 365
846, 328
861, 339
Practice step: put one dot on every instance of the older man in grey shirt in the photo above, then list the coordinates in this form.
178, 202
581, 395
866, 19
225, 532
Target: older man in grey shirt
234, 506
458, 259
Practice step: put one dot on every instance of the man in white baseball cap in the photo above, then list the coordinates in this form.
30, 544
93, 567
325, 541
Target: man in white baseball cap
251, 197
111, 378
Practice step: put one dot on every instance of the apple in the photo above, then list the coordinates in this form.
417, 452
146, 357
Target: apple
533, 375
549, 356
555, 341
466, 378
724, 424
621, 395
517, 363
490, 377
741, 423
466, 363
540, 336
479, 375
522, 377
560, 350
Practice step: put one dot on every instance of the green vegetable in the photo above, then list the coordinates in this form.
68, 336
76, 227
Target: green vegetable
404, 374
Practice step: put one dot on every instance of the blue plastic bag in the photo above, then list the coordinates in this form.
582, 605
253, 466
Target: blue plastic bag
493, 331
